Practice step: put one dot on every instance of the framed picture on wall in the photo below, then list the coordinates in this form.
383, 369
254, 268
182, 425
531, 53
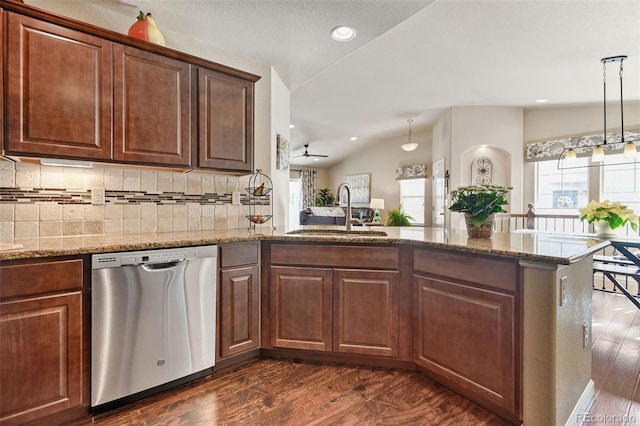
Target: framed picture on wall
282, 154
360, 186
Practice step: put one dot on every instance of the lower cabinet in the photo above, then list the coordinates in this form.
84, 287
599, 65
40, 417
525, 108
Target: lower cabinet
335, 310
239, 300
365, 312
467, 335
240, 310
44, 361
301, 308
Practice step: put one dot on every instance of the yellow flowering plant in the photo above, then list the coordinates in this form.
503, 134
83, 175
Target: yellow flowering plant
614, 213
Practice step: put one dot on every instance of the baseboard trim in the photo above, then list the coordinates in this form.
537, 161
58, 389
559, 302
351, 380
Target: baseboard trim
578, 415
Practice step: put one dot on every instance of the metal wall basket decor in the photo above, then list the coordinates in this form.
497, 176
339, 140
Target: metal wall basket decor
600, 146
259, 189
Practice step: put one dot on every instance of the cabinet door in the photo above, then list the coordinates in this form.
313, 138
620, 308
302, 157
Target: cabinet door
301, 308
466, 336
225, 122
58, 91
2, 79
152, 107
41, 352
365, 312
239, 322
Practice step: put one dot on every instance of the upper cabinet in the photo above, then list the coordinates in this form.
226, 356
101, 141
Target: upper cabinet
225, 122
58, 91
77, 91
152, 108
2, 80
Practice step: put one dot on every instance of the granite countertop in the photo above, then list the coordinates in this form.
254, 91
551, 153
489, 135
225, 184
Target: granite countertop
526, 246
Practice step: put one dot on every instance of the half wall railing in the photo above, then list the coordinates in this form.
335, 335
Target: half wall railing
613, 269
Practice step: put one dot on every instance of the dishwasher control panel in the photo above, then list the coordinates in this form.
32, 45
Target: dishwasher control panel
114, 260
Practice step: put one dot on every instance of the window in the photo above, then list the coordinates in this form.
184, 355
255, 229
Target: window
564, 191
621, 182
412, 199
561, 191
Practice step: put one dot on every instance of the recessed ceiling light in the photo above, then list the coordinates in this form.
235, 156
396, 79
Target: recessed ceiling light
542, 101
316, 159
291, 126
343, 33
353, 138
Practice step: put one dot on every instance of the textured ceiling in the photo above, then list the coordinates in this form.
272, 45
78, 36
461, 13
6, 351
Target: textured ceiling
411, 59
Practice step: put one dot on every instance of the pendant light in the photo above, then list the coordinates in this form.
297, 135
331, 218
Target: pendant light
598, 151
628, 148
598, 154
409, 146
630, 151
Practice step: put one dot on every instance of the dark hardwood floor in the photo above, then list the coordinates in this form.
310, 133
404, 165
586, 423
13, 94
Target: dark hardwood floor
279, 392
616, 360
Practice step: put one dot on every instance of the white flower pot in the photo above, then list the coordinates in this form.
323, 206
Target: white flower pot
604, 229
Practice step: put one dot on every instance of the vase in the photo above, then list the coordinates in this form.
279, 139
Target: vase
603, 229
483, 231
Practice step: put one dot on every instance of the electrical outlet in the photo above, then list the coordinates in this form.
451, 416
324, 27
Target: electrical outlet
563, 291
98, 196
586, 335
235, 198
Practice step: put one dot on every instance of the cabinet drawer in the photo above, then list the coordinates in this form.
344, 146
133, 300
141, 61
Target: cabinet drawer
238, 255
492, 272
352, 256
40, 277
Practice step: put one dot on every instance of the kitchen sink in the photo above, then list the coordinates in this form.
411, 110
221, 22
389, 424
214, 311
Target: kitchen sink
339, 232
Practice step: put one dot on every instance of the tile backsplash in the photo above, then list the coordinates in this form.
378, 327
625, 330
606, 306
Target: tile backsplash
48, 201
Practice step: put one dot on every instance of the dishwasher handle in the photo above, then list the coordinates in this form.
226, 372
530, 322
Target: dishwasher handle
161, 266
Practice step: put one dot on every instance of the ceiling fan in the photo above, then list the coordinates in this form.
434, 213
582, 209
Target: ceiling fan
306, 153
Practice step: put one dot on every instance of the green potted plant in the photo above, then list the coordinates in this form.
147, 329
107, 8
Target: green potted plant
607, 216
324, 198
396, 217
479, 203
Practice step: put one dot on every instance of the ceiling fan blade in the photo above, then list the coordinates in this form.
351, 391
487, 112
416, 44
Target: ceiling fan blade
306, 153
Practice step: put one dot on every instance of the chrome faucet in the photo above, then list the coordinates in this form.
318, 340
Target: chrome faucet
347, 222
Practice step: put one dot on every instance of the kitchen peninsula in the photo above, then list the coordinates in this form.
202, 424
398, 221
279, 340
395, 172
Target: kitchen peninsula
501, 321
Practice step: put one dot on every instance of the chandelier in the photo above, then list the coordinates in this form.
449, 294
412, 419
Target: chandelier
409, 146
569, 155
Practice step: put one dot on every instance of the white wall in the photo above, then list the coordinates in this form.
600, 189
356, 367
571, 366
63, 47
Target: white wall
381, 160
547, 123
501, 129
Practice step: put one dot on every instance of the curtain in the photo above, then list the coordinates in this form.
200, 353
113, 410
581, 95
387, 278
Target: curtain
308, 188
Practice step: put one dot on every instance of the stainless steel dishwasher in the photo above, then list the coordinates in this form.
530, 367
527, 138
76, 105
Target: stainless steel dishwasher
153, 319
